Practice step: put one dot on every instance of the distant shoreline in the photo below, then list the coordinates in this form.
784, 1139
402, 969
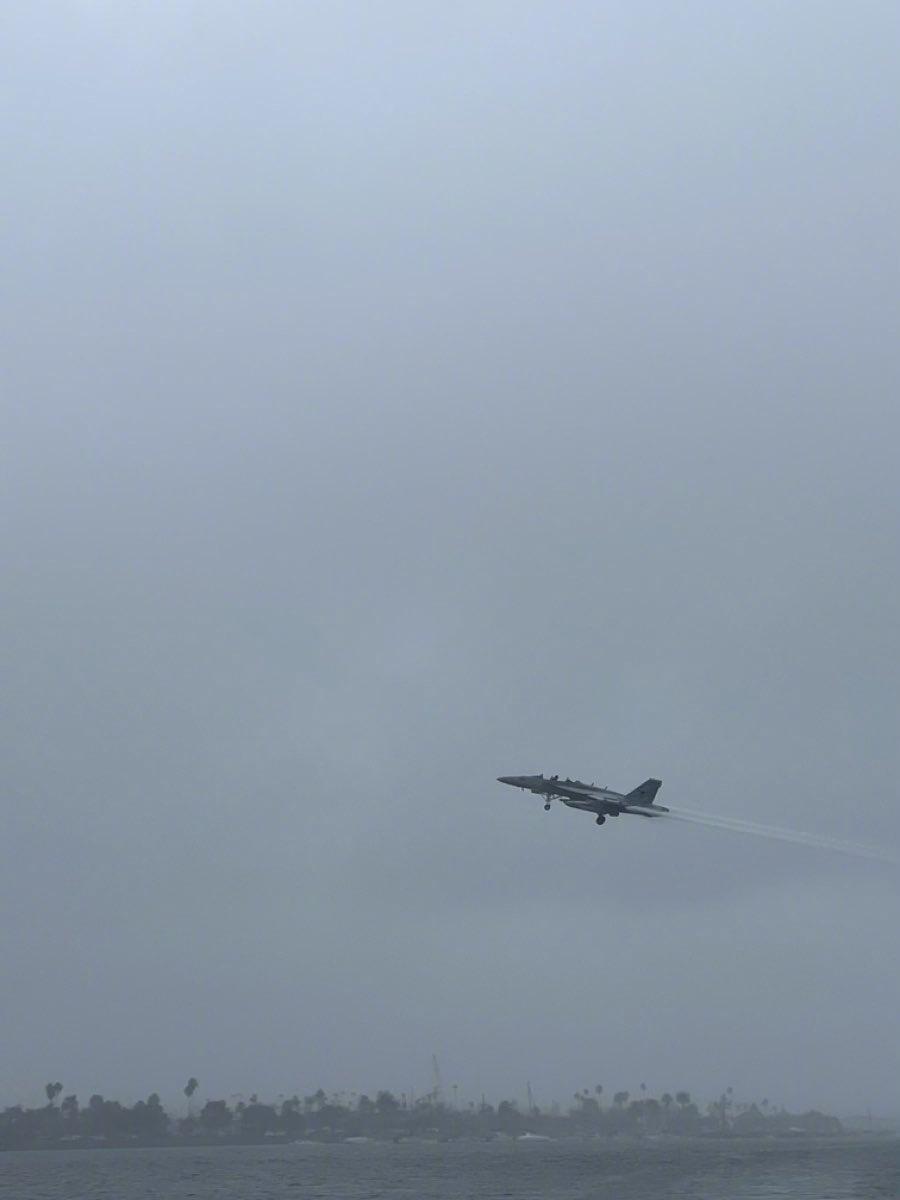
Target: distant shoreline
649, 1141
321, 1118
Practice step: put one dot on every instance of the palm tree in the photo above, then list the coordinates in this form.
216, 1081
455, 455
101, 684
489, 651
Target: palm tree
189, 1088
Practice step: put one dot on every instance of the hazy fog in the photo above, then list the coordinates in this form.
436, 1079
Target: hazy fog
398, 395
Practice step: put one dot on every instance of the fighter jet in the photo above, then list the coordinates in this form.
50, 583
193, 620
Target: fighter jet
601, 801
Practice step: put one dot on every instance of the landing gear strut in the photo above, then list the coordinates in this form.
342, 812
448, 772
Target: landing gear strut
601, 820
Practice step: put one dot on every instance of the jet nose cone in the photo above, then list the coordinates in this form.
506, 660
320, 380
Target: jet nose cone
506, 779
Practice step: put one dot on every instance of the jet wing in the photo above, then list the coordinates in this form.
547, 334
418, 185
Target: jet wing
581, 792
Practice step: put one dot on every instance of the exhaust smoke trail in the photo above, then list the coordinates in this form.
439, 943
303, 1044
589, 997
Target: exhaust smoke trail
773, 832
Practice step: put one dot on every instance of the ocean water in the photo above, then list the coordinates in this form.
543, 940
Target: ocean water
708, 1170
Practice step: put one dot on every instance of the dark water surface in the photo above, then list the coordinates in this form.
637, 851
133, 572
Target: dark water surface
834, 1170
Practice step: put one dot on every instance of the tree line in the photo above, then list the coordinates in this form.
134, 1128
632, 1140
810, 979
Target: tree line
319, 1116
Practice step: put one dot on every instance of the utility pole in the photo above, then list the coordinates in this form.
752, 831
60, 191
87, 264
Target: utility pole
436, 1089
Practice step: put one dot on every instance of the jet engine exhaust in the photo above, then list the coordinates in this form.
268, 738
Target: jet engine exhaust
774, 833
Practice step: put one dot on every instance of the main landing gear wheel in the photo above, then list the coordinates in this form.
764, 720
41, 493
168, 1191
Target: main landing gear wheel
547, 806
601, 820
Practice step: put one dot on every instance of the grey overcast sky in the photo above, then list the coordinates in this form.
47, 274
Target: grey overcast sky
396, 395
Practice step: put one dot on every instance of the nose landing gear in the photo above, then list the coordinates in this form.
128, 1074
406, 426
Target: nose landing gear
547, 806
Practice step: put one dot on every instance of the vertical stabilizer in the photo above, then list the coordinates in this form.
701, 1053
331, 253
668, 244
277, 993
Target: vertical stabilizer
645, 794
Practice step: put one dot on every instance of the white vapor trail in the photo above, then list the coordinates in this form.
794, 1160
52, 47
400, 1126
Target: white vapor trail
816, 840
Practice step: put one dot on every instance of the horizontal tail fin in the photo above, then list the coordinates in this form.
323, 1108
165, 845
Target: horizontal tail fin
645, 794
